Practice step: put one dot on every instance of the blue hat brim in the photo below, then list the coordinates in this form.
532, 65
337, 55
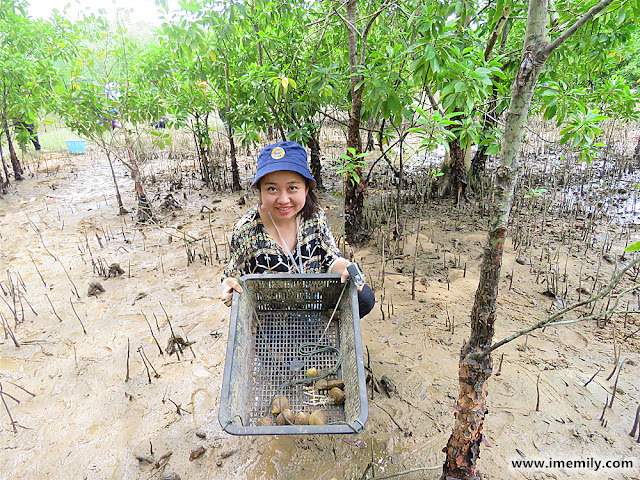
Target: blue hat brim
282, 166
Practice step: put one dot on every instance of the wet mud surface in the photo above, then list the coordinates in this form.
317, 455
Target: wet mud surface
79, 416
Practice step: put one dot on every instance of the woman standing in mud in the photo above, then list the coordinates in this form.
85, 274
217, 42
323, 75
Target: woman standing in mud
286, 232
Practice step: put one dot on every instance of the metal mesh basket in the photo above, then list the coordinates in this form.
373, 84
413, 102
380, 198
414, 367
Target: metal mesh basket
271, 321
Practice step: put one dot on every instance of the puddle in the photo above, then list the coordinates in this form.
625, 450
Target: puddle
8, 365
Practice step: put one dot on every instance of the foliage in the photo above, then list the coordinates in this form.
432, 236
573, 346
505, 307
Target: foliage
350, 164
628, 61
471, 80
272, 65
635, 247
613, 97
434, 130
103, 88
534, 192
31, 53
581, 131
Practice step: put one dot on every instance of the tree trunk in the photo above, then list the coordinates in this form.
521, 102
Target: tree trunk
400, 181
636, 152
316, 167
283, 135
235, 174
144, 205
15, 162
354, 192
478, 164
121, 209
201, 137
5, 181
3, 184
463, 448
457, 170
370, 142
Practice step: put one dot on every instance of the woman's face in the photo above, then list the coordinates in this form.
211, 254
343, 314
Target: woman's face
283, 194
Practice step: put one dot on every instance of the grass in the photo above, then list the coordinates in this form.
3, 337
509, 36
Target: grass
52, 135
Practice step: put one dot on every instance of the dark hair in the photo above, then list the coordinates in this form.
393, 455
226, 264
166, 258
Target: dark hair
310, 205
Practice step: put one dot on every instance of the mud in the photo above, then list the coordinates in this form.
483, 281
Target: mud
87, 421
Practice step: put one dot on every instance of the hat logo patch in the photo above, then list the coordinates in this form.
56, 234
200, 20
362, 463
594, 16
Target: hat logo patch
277, 153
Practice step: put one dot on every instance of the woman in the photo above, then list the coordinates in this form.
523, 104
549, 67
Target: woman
286, 232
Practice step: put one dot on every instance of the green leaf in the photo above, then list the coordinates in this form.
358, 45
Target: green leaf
418, 64
493, 149
460, 87
498, 12
550, 112
622, 14
435, 65
359, 84
635, 247
577, 139
448, 89
448, 101
429, 53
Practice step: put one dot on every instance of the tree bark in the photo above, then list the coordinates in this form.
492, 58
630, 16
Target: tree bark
3, 184
235, 174
354, 192
15, 162
201, 134
316, 167
463, 448
370, 145
144, 205
5, 181
283, 135
121, 209
457, 170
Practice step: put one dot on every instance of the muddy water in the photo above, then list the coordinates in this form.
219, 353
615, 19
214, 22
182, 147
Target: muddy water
87, 420
84, 419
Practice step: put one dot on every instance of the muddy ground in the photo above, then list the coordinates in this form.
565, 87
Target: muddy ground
79, 417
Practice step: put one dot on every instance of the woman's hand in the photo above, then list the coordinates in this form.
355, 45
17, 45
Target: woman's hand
346, 275
228, 286
341, 267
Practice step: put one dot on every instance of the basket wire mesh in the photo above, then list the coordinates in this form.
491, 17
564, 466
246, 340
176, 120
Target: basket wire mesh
271, 322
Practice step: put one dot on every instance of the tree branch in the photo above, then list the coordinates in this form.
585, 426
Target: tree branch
347, 22
366, 31
552, 318
497, 29
609, 311
549, 49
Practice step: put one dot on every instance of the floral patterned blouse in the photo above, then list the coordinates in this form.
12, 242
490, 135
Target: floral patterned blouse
253, 250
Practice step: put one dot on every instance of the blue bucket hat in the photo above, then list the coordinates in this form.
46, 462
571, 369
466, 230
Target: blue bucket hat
283, 156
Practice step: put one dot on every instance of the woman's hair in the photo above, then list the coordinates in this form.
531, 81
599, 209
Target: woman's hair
310, 205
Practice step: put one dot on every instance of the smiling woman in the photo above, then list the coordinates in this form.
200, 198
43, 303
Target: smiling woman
286, 232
